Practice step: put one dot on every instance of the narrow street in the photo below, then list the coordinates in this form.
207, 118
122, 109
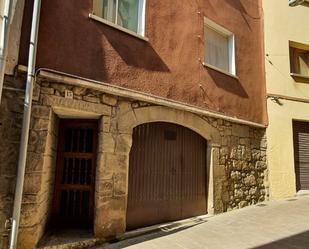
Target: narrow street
273, 225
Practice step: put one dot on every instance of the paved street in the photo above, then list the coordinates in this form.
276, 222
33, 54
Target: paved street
277, 225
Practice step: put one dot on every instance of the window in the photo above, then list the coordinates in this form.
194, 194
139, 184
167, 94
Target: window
294, 3
219, 47
299, 59
128, 14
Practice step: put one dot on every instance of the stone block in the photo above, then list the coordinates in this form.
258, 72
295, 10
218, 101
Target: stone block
263, 143
244, 141
7, 185
225, 140
260, 165
47, 90
79, 90
107, 142
77, 105
38, 124
92, 99
32, 183
243, 204
224, 151
35, 162
123, 143
105, 124
37, 141
59, 87
105, 187
118, 162
41, 112
126, 123
120, 184
8, 158
30, 214
110, 216
36, 92
240, 130
250, 181
219, 172
51, 145
28, 237
109, 100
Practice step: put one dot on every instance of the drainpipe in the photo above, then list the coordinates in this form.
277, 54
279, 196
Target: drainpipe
6, 17
26, 123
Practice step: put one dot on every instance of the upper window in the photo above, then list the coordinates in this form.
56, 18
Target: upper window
129, 14
219, 47
299, 59
294, 3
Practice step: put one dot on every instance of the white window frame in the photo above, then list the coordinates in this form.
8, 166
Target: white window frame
97, 15
231, 46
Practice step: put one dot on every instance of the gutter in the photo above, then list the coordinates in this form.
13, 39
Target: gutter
26, 124
61, 77
4, 38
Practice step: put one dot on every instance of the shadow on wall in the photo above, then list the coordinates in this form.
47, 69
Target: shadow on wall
300, 240
135, 52
231, 85
235, 4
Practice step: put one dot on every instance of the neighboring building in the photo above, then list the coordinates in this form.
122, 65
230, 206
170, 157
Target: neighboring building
150, 114
287, 77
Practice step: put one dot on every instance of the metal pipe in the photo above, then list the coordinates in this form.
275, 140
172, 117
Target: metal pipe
26, 123
4, 39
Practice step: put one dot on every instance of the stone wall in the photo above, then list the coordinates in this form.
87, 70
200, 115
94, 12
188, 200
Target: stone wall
241, 176
11, 110
236, 156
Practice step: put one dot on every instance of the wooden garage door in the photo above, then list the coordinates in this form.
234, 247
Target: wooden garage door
301, 154
167, 175
75, 174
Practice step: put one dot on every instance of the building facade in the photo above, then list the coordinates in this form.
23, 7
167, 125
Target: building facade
286, 45
152, 113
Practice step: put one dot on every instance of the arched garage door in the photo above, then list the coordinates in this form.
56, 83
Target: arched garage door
167, 175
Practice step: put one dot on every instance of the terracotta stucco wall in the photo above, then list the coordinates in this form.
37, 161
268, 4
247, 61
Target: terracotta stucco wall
168, 65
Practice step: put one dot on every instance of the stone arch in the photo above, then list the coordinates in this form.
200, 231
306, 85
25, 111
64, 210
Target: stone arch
134, 117
128, 118
113, 159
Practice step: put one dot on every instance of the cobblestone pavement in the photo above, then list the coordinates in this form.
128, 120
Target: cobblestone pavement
275, 225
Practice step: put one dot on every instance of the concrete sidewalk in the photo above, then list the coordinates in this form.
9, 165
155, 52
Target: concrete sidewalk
276, 225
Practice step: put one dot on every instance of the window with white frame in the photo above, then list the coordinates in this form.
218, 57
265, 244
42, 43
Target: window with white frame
129, 14
219, 47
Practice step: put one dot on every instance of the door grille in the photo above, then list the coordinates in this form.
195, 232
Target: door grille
74, 184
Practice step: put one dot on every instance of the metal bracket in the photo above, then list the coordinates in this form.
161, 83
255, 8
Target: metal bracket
8, 224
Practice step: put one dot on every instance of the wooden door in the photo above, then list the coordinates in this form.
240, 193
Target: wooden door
73, 199
167, 175
301, 154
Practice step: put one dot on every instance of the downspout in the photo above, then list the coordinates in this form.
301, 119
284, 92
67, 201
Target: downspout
4, 38
26, 123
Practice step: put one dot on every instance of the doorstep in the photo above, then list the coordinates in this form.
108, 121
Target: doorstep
302, 192
69, 239
166, 227
78, 239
